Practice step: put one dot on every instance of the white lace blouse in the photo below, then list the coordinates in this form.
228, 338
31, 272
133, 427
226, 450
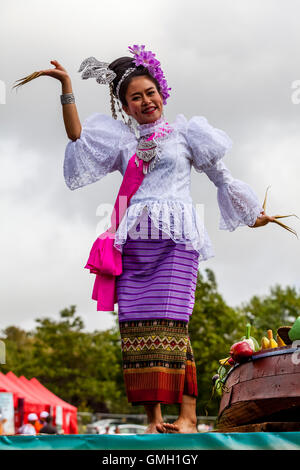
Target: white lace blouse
106, 145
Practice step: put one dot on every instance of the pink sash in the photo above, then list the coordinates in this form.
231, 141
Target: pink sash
105, 260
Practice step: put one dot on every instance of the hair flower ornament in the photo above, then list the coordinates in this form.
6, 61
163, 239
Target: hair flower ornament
147, 59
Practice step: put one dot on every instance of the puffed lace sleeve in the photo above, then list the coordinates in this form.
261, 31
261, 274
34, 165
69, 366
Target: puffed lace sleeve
208, 144
96, 152
238, 203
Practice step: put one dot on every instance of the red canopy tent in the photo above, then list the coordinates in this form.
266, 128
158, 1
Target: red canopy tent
69, 412
36, 398
24, 402
6, 386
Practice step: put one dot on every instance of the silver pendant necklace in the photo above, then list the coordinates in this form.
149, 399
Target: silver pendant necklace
147, 151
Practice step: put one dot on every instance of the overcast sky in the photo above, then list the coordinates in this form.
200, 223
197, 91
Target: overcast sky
233, 62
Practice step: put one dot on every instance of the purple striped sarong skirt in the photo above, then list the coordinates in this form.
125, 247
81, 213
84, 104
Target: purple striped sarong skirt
156, 296
159, 277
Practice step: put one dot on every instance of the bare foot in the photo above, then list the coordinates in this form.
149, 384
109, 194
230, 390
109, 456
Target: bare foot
152, 428
160, 428
180, 427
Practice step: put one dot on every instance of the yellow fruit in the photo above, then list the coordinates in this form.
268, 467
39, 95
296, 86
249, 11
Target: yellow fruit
265, 343
272, 342
223, 362
280, 341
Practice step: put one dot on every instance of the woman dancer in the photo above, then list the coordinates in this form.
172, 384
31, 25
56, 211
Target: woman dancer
161, 237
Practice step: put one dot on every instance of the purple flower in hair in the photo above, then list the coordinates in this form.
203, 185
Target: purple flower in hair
135, 49
147, 59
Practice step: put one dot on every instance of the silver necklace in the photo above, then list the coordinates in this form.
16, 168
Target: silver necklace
147, 151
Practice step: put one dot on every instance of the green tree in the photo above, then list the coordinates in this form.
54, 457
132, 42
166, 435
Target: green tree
280, 307
19, 348
82, 368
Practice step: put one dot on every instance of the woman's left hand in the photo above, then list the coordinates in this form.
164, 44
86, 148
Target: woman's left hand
264, 219
261, 220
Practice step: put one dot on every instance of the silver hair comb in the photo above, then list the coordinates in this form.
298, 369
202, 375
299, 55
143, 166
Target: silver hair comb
96, 69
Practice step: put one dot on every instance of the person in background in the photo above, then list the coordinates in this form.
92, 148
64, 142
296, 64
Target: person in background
29, 428
106, 430
41, 421
48, 428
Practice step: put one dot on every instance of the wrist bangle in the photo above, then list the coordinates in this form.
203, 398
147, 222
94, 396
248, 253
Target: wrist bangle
67, 98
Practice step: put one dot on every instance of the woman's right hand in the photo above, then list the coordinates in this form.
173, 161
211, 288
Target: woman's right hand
58, 72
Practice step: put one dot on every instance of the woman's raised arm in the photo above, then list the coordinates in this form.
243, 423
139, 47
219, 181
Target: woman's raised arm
70, 114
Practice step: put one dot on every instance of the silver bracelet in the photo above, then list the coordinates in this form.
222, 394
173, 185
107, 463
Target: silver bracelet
67, 98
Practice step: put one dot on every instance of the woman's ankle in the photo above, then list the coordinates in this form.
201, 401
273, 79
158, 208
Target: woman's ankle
154, 414
154, 424
187, 419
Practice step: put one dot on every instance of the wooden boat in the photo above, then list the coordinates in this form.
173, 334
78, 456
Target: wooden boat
266, 389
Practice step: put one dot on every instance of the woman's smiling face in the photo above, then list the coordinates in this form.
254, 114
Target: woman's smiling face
144, 102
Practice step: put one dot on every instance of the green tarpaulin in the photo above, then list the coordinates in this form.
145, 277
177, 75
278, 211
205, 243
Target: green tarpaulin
200, 441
